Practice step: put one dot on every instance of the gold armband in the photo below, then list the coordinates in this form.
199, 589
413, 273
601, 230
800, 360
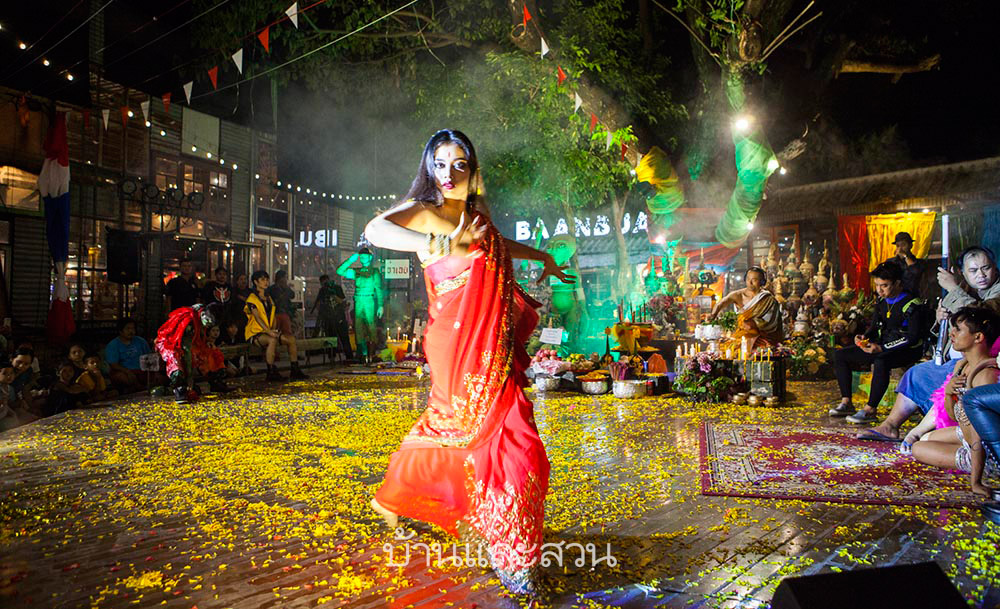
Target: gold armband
439, 245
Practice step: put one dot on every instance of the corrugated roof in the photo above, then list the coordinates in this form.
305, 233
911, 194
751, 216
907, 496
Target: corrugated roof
940, 186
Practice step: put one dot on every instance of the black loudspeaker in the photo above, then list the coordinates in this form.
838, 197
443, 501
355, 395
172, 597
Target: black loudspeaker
124, 256
910, 586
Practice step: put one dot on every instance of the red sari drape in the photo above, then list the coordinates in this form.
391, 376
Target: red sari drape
473, 462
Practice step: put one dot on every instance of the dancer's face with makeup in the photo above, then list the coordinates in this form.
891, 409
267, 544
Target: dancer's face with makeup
451, 171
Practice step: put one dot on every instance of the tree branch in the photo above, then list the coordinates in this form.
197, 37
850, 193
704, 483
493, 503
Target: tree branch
852, 66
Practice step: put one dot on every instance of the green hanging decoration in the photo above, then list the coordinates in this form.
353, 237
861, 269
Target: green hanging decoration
755, 162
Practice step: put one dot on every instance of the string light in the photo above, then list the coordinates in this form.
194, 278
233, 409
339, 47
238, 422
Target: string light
46, 63
69, 76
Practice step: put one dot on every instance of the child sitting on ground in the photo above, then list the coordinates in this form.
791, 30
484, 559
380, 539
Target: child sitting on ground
93, 381
64, 394
76, 355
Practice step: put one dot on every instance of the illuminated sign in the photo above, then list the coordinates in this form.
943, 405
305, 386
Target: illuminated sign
318, 238
600, 226
397, 269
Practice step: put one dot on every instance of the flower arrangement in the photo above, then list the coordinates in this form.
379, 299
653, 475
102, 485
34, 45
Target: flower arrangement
663, 310
727, 320
704, 379
808, 359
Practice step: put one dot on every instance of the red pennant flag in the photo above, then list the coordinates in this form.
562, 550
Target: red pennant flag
593, 121
265, 38
166, 103
560, 74
527, 16
624, 148
86, 121
124, 116
213, 75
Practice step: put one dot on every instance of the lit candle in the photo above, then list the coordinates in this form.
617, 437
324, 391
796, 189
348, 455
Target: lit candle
678, 351
398, 329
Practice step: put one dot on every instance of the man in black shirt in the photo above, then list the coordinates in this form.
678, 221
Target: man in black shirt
182, 291
894, 340
221, 292
911, 266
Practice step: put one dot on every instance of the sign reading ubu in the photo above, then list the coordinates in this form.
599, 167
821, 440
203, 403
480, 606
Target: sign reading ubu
318, 238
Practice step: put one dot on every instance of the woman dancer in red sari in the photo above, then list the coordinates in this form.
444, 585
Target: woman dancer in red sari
473, 463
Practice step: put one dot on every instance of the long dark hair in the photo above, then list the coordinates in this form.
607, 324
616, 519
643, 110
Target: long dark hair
424, 187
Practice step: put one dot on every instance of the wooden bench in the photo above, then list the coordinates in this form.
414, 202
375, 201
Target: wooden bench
326, 345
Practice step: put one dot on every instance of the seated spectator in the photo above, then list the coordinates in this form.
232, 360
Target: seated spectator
64, 394
282, 296
25, 383
262, 329
982, 407
910, 265
122, 354
93, 381
221, 292
232, 334
76, 356
894, 340
978, 283
973, 332
214, 365
8, 399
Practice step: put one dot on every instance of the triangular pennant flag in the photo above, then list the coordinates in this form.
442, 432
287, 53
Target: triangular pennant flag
607, 143
265, 38
166, 103
545, 48
213, 75
624, 149
86, 121
293, 14
577, 103
527, 16
560, 74
593, 121
106, 114
187, 90
145, 110
238, 60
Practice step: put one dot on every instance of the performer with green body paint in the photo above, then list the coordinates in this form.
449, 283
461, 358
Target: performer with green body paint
368, 299
567, 298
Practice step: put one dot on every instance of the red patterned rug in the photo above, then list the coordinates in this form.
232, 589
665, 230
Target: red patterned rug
821, 464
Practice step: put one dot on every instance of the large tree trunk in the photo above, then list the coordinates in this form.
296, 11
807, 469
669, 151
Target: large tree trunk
623, 272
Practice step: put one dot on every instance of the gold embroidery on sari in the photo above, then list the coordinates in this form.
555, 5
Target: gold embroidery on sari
510, 519
454, 283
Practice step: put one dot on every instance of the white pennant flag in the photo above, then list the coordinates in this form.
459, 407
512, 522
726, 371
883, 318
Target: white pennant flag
293, 14
145, 110
187, 90
545, 48
238, 60
607, 143
577, 103
106, 113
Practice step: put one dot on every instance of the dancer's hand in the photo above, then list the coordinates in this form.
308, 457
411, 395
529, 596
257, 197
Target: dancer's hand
551, 268
467, 232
